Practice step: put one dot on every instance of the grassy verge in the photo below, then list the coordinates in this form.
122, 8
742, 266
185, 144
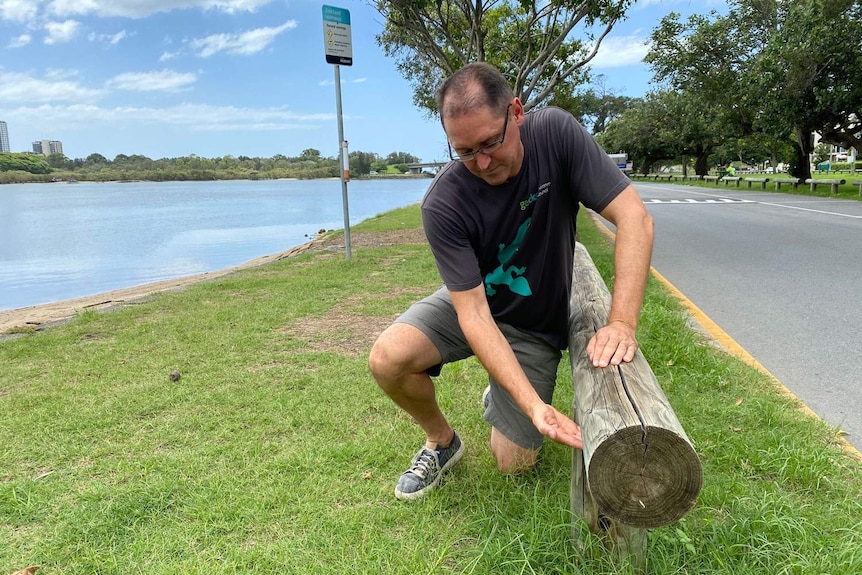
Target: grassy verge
276, 453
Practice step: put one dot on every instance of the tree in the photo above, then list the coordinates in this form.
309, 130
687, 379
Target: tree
706, 61
59, 161
641, 132
821, 153
361, 162
310, 154
595, 107
533, 43
10, 161
95, 161
811, 69
401, 158
783, 69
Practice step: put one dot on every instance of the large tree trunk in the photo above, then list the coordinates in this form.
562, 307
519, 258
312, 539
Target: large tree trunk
804, 148
701, 165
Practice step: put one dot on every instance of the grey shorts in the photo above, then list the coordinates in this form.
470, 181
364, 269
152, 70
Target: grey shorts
435, 317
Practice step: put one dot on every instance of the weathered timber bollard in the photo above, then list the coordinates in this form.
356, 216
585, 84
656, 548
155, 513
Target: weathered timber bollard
638, 468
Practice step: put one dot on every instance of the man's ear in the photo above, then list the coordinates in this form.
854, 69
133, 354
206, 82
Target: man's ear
517, 111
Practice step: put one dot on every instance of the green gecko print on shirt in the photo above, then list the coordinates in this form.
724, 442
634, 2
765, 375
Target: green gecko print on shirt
511, 276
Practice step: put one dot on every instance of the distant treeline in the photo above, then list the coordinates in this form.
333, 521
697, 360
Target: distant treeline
24, 168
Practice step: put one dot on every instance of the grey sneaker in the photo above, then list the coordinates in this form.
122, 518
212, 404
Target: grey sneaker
427, 469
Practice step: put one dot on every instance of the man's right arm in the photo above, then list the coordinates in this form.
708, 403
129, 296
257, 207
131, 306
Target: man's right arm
494, 352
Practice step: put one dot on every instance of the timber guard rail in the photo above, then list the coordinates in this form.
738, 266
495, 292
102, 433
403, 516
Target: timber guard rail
638, 468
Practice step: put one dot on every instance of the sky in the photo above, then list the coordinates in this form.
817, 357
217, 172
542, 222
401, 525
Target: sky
170, 78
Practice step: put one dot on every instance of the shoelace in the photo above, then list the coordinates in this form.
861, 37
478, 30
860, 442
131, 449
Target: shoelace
424, 464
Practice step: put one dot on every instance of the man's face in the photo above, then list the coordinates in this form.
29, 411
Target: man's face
485, 127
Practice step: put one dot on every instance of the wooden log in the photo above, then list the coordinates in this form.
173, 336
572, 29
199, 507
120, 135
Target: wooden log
794, 182
833, 184
641, 468
624, 542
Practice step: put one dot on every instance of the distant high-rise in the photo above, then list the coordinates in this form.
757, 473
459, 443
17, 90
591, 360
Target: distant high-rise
4, 137
47, 147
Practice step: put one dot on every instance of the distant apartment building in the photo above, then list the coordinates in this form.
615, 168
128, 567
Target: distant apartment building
47, 147
4, 137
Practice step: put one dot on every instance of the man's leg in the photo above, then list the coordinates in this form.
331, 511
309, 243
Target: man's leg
515, 441
511, 457
402, 361
399, 360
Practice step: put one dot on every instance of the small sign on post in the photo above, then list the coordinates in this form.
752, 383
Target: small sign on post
338, 47
337, 41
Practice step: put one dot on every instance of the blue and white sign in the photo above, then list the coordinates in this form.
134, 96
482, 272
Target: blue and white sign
337, 43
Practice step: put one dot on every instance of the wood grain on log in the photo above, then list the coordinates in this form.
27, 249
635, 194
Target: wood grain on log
641, 467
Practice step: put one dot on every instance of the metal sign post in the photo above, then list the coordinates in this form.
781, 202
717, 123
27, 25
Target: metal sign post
338, 48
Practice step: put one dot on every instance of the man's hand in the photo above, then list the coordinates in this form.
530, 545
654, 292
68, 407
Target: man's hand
556, 426
612, 345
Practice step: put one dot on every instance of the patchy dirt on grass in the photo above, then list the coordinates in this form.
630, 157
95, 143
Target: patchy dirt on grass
33, 318
343, 330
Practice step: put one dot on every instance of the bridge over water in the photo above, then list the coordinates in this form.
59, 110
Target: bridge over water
417, 168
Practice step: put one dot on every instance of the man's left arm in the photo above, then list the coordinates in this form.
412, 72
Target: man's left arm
616, 342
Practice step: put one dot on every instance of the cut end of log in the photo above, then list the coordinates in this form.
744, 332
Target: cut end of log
645, 481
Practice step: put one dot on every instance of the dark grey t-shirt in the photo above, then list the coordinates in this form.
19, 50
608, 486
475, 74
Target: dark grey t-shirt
518, 238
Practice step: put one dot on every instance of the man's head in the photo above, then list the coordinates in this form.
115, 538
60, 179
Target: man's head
481, 117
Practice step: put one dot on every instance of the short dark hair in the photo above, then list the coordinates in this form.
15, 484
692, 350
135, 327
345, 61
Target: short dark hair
476, 85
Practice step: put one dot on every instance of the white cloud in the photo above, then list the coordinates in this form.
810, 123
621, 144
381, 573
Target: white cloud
162, 81
20, 41
19, 10
167, 56
244, 44
58, 74
61, 32
620, 51
115, 39
343, 81
112, 39
194, 117
144, 8
17, 87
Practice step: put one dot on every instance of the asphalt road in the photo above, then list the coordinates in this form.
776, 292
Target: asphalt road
782, 275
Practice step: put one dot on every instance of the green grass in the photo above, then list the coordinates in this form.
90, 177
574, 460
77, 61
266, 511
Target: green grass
277, 453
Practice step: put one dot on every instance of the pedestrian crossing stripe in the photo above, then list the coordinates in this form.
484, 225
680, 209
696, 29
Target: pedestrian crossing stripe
695, 201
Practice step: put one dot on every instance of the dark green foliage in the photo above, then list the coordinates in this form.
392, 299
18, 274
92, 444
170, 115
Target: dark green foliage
310, 164
24, 163
542, 47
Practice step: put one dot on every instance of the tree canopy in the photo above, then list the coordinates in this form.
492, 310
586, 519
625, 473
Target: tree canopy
770, 69
21, 168
10, 161
542, 47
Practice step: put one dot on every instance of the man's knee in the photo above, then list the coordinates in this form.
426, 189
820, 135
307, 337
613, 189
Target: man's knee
383, 361
401, 350
511, 458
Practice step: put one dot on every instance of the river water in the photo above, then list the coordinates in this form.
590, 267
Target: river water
63, 241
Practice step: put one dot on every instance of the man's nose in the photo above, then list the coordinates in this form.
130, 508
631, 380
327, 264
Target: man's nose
483, 161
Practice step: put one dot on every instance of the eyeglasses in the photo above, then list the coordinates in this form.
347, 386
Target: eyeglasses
487, 150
